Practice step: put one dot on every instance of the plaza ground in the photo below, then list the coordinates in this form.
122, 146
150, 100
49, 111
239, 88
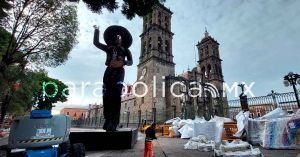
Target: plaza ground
173, 147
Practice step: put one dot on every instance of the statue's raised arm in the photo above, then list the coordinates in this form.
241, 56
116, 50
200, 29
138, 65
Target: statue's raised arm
96, 39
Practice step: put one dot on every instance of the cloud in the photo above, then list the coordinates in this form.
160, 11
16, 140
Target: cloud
259, 41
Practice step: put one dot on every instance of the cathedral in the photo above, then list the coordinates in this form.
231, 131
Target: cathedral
168, 95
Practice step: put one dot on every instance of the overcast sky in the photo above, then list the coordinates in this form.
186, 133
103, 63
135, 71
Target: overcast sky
259, 42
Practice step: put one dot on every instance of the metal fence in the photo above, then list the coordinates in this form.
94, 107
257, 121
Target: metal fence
258, 106
128, 119
265, 104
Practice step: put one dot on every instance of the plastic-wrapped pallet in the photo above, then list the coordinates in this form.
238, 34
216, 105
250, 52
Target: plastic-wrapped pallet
200, 143
242, 122
174, 131
206, 147
187, 131
236, 148
273, 133
221, 119
277, 113
171, 121
211, 130
254, 152
292, 130
235, 145
191, 145
256, 131
282, 133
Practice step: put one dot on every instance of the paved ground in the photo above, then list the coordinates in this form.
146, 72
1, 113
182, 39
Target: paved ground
173, 147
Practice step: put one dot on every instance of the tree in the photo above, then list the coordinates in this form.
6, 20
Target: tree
39, 32
45, 32
49, 91
130, 8
4, 5
36, 89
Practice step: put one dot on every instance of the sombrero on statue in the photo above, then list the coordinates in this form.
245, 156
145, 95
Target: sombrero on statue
112, 31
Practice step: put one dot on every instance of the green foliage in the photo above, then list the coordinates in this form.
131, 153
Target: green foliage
130, 8
32, 92
4, 5
5, 37
49, 92
44, 31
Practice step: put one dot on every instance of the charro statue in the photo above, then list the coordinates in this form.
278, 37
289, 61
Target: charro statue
118, 40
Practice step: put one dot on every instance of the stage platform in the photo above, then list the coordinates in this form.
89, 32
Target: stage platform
99, 139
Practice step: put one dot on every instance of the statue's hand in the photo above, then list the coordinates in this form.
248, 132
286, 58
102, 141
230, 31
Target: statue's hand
117, 64
96, 27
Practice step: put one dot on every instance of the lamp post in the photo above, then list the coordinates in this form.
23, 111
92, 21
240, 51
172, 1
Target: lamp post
292, 79
174, 108
154, 111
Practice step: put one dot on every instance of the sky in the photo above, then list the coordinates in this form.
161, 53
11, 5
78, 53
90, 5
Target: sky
259, 42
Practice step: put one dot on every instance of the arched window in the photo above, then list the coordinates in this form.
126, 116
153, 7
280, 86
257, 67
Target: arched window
217, 69
203, 69
150, 43
167, 46
209, 69
150, 19
145, 23
166, 22
159, 43
207, 50
144, 47
159, 18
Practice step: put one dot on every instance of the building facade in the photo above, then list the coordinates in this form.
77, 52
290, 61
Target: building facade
75, 113
155, 61
167, 95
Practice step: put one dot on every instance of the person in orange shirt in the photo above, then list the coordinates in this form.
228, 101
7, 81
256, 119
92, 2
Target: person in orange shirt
150, 135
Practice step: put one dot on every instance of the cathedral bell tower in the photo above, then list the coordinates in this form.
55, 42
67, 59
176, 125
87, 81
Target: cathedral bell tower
156, 60
210, 67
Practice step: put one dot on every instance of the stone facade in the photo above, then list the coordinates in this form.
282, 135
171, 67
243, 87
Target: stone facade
210, 69
156, 60
95, 110
156, 71
75, 113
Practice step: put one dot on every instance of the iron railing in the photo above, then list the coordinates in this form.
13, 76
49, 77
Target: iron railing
285, 101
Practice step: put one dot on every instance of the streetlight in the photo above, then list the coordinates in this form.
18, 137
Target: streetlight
292, 79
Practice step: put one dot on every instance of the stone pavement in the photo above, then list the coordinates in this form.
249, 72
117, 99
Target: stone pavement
173, 147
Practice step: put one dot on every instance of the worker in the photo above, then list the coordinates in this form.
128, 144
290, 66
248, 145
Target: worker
150, 135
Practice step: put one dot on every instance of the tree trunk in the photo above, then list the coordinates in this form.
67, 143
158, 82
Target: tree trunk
4, 106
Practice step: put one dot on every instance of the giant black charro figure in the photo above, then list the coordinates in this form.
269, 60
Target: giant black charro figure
118, 40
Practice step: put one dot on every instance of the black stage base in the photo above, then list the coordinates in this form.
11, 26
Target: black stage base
99, 139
